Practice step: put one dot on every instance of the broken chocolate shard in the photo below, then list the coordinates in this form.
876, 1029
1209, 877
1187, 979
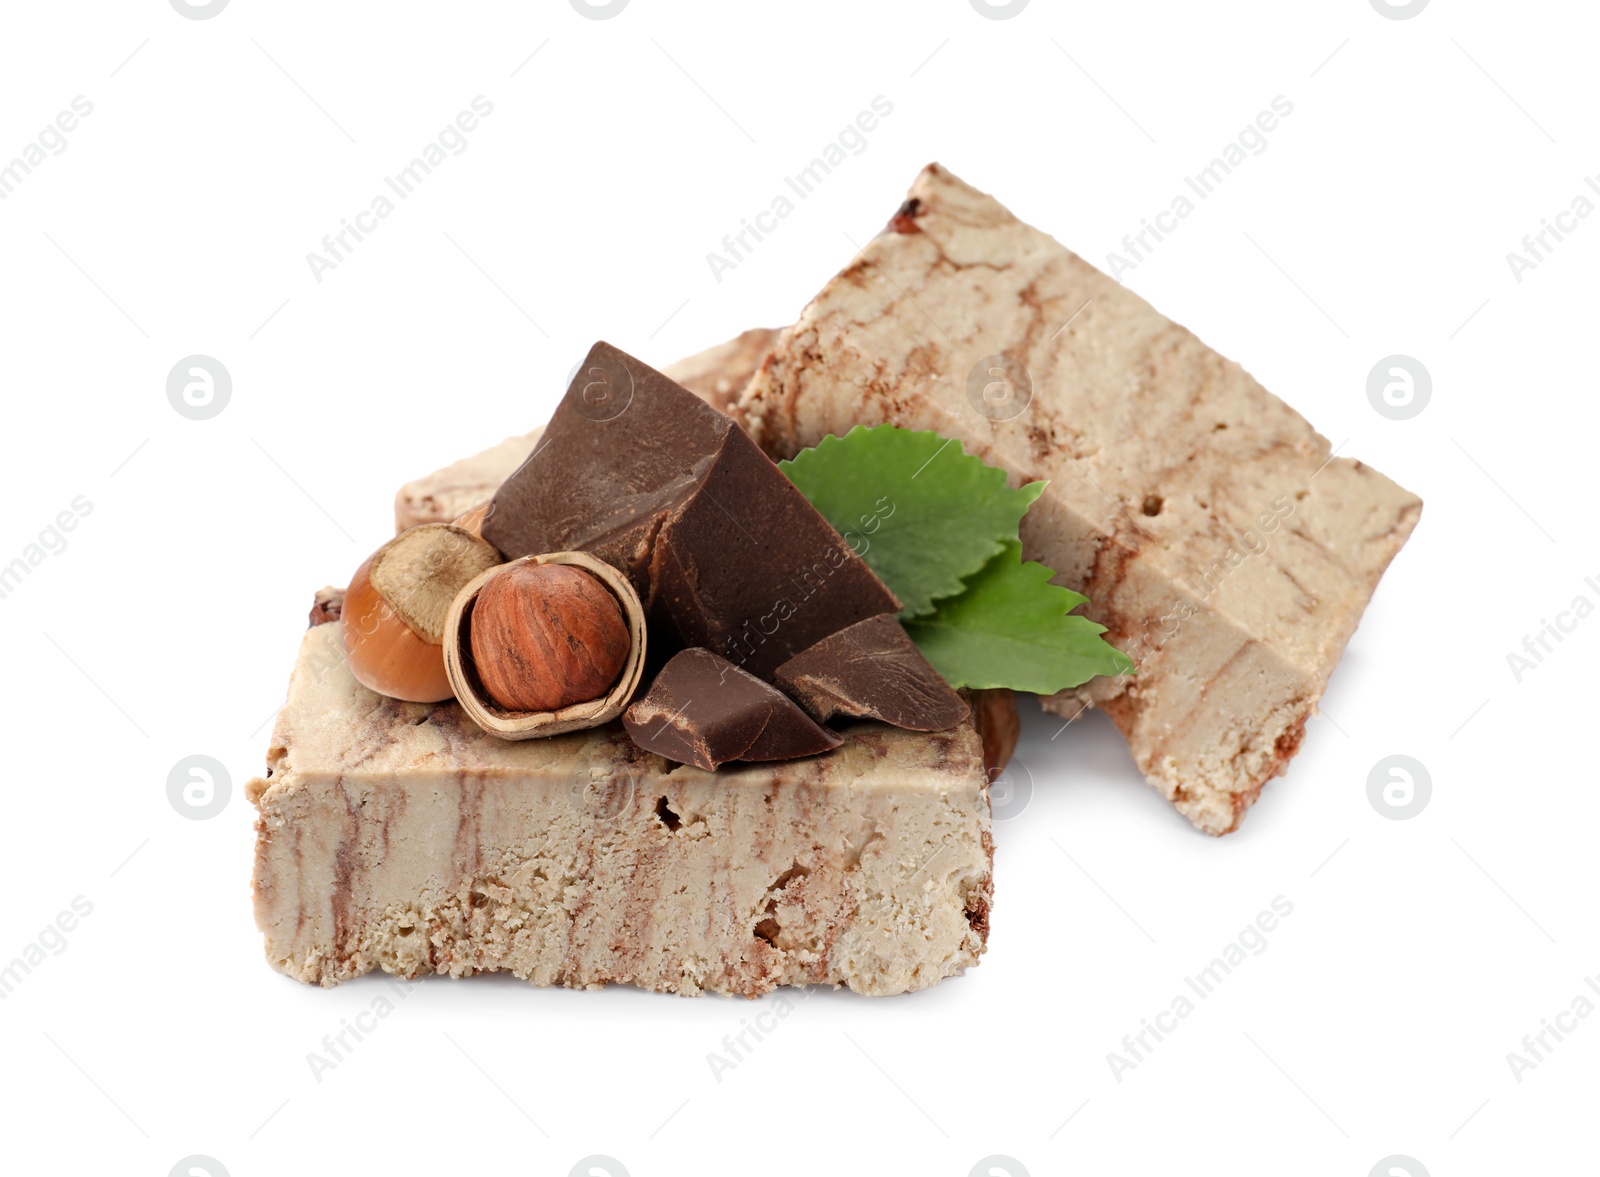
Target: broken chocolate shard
705, 711
624, 447
871, 670
724, 551
746, 566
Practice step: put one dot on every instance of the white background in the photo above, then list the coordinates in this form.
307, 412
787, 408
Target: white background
178, 220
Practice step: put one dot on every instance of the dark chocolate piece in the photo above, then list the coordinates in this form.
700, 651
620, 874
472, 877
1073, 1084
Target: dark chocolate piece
725, 552
746, 566
703, 710
624, 447
871, 670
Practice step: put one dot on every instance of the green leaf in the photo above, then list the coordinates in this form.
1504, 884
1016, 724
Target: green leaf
939, 528
922, 513
1011, 629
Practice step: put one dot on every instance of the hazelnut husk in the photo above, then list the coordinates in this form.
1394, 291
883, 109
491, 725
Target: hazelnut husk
394, 610
543, 645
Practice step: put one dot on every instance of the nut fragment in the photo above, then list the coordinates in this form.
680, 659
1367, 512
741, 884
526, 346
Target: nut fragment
326, 605
394, 610
546, 636
999, 726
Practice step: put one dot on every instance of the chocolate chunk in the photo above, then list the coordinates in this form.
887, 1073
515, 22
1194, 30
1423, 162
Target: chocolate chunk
703, 710
624, 447
872, 670
746, 566
724, 551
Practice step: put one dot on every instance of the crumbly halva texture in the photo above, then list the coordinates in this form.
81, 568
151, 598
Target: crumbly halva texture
399, 836
1224, 547
717, 376
447, 494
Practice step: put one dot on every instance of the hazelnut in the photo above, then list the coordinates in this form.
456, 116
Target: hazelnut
547, 636
394, 611
547, 644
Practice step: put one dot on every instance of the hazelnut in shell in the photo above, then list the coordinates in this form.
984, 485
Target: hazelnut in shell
546, 636
545, 644
395, 608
